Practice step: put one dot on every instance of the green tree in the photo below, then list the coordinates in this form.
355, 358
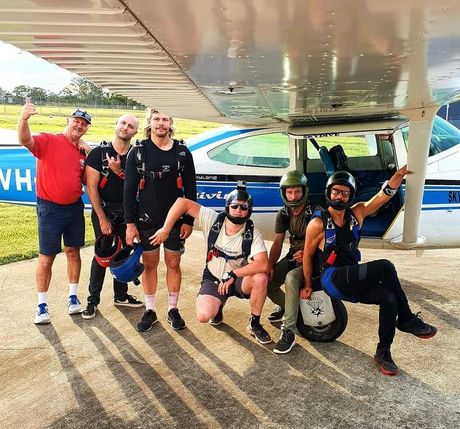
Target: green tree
38, 95
21, 92
85, 91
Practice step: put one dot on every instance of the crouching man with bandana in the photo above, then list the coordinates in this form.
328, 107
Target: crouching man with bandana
236, 262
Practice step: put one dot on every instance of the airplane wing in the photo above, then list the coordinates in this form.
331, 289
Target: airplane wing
298, 62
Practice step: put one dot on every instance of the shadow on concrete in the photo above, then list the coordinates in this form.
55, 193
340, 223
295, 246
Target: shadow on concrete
90, 406
428, 299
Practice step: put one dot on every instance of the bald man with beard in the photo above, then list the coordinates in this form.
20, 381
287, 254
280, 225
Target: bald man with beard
105, 177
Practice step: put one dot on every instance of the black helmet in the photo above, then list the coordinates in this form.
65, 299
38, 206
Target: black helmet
292, 179
105, 248
340, 178
239, 194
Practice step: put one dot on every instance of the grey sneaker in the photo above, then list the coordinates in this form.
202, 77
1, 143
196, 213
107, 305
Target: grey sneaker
90, 311
259, 333
285, 343
385, 361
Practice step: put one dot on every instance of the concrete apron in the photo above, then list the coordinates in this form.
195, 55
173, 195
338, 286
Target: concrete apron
103, 373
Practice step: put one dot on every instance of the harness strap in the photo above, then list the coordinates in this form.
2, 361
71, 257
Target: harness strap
213, 252
181, 156
330, 243
156, 175
285, 217
105, 164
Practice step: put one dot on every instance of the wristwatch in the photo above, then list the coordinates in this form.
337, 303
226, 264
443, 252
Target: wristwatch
228, 275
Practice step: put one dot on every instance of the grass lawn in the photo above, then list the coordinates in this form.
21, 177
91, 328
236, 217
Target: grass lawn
19, 236
53, 120
18, 224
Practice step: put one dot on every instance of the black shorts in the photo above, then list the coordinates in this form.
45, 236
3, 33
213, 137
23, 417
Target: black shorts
172, 244
209, 287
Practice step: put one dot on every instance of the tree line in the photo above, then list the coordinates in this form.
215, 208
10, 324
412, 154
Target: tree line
80, 91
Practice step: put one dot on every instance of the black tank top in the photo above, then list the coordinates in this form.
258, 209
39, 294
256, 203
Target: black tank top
345, 246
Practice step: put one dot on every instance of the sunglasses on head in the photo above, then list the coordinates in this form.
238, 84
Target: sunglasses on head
243, 207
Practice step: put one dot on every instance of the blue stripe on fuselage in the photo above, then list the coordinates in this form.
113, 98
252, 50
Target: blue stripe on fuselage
225, 135
266, 195
441, 194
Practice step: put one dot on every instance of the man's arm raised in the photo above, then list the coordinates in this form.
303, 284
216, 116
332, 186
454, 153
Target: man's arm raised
24, 135
181, 206
363, 209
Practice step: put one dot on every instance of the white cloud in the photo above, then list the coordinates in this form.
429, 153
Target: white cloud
22, 68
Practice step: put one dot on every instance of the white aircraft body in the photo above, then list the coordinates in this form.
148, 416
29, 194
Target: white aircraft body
346, 73
260, 156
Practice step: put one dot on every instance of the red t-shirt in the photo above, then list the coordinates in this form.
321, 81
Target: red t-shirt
59, 168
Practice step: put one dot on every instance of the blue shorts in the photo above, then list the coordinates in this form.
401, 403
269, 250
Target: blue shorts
57, 221
173, 243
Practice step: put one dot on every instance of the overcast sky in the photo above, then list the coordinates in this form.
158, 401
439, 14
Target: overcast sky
22, 68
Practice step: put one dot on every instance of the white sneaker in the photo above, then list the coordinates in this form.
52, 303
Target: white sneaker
74, 305
42, 316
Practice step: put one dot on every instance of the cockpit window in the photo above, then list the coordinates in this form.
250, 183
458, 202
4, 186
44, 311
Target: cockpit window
353, 145
263, 150
443, 137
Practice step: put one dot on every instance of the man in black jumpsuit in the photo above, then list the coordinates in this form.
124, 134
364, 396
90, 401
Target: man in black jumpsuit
374, 282
156, 176
104, 173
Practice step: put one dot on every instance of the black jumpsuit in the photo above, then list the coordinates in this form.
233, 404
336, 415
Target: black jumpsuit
373, 282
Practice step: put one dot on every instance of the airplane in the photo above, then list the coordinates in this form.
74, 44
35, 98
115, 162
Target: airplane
261, 155
296, 78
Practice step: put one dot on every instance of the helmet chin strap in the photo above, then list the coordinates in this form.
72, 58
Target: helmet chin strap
237, 220
338, 205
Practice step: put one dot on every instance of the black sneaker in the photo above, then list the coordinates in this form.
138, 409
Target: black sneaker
259, 333
129, 301
90, 311
416, 326
176, 321
276, 315
218, 318
285, 343
148, 320
385, 361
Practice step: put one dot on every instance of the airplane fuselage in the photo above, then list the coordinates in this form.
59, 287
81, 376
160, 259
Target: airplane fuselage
260, 156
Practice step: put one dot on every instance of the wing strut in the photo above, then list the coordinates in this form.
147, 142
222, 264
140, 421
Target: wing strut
420, 126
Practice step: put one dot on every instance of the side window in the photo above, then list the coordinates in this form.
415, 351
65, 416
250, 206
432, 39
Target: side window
353, 145
443, 136
264, 150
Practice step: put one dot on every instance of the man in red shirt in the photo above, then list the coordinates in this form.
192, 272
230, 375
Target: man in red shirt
60, 164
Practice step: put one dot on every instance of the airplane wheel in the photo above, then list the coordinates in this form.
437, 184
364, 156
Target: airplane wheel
326, 333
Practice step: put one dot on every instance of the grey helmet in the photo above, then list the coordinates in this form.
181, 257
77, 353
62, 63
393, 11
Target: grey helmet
340, 178
239, 194
291, 179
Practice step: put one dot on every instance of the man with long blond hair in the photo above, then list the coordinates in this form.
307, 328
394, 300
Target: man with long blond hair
158, 171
